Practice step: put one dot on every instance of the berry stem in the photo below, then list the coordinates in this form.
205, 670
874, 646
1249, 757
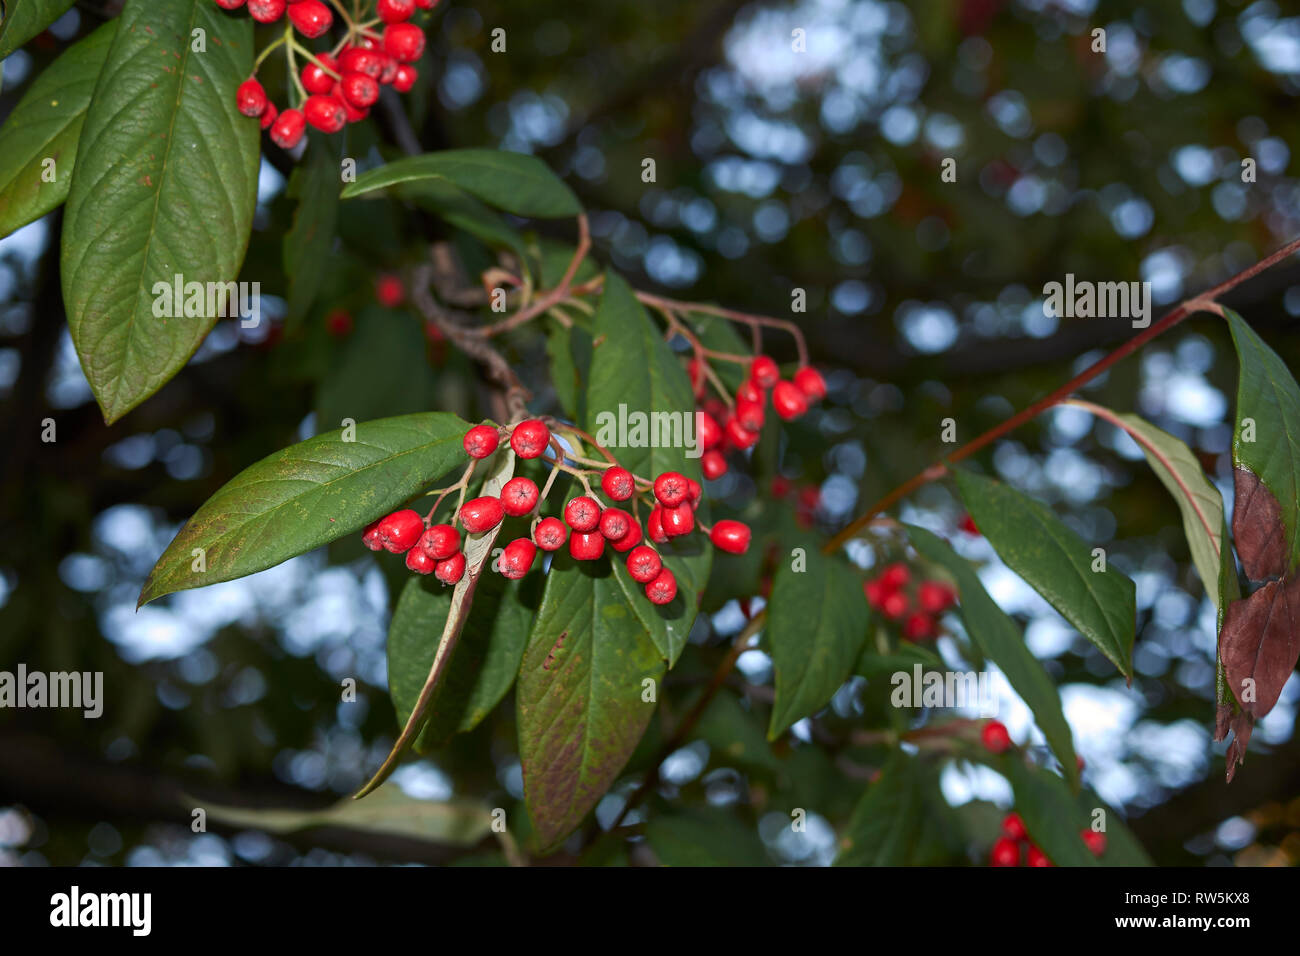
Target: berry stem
732, 315
270, 48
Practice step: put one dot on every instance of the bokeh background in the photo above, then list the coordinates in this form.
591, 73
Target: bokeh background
776, 169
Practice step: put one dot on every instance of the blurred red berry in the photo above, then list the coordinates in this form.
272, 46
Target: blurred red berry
995, 738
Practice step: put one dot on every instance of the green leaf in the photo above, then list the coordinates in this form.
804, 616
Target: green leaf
458, 208
483, 667
381, 371
1057, 563
1052, 814
389, 811
886, 821
308, 495
515, 182
634, 372
315, 184
24, 19
817, 623
581, 697
45, 125
166, 185
705, 836
736, 735
570, 353
1000, 640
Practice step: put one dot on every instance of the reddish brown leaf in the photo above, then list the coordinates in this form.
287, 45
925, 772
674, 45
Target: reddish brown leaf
1260, 643
1241, 725
1258, 528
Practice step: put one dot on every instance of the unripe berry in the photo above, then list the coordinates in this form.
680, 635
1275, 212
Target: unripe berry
451, 570
935, 596
550, 534
809, 381
750, 415
617, 482
714, 465
763, 372
1014, 827
288, 129
586, 547
1005, 853
788, 401
995, 738
395, 11
731, 536
663, 588
740, 436
325, 113
481, 441
517, 558
266, 11
615, 523
400, 530
582, 514
404, 41
311, 18
481, 514
359, 90
441, 541
654, 526
644, 564
629, 540
677, 521
250, 98
671, 489
1036, 857
918, 626
317, 80
530, 438
420, 562
405, 77
519, 496
1096, 841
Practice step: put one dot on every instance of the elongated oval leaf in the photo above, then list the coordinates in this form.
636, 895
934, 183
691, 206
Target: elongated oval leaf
38, 142
315, 184
1000, 640
817, 623
166, 184
305, 496
23, 19
1057, 563
1051, 813
884, 825
582, 698
515, 182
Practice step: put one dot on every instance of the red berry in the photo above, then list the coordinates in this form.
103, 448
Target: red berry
420, 562
615, 524
269, 115
749, 392
876, 592
740, 436
404, 41
315, 79
1096, 841
788, 401
550, 534
671, 489
338, 323
354, 114
714, 464
288, 129
325, 113
481, 514
995, 738
250, 98
918, 626
654, 526
389, 71
389, 291
230, 4
359, 90
357, 60
586, 547
677, 521
763, 372
400, 530
405, 77
517, 558
935, 596
644, 564
481, 441
695, 492
629, 540
441, 541
311, 18
810, 382
1014, 827
663, 588
1036, 857
731, 536
894, 605
395, 11
968, 525
266, 11
617, 482
371, 537
451, 570
895, 576
530, 438
426, 4
519, 496
708, 429
750, 415
1005, 853
582, 514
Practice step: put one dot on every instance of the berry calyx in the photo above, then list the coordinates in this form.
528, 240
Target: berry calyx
325, 113
481, 514
617, 482
550, 534
451, 570
995, 738
519, 496
1014, 827
582, 514
663, 588
250, 98
586, 547
763, 372
311, 18
671, 489
731, 536
677, 521
809, 381
644, 564
404, 41
400, 530
615, 523
529, 439
288, 129
517, 558
1006, 852
789, 402
441, 541
481, 441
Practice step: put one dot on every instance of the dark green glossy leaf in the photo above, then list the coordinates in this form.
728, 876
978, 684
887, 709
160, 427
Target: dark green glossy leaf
24, 19
381, 370
45, 125
308, 495
458, 208
1052, 814
315, 185
705, 836
736, 735
1057, 563
166, 184
885, 823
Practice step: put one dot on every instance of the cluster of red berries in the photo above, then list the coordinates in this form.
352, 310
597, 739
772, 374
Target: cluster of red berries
807, 499
1014, 848
587, 525
341, 86
888, 594
389, 292
723, 428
